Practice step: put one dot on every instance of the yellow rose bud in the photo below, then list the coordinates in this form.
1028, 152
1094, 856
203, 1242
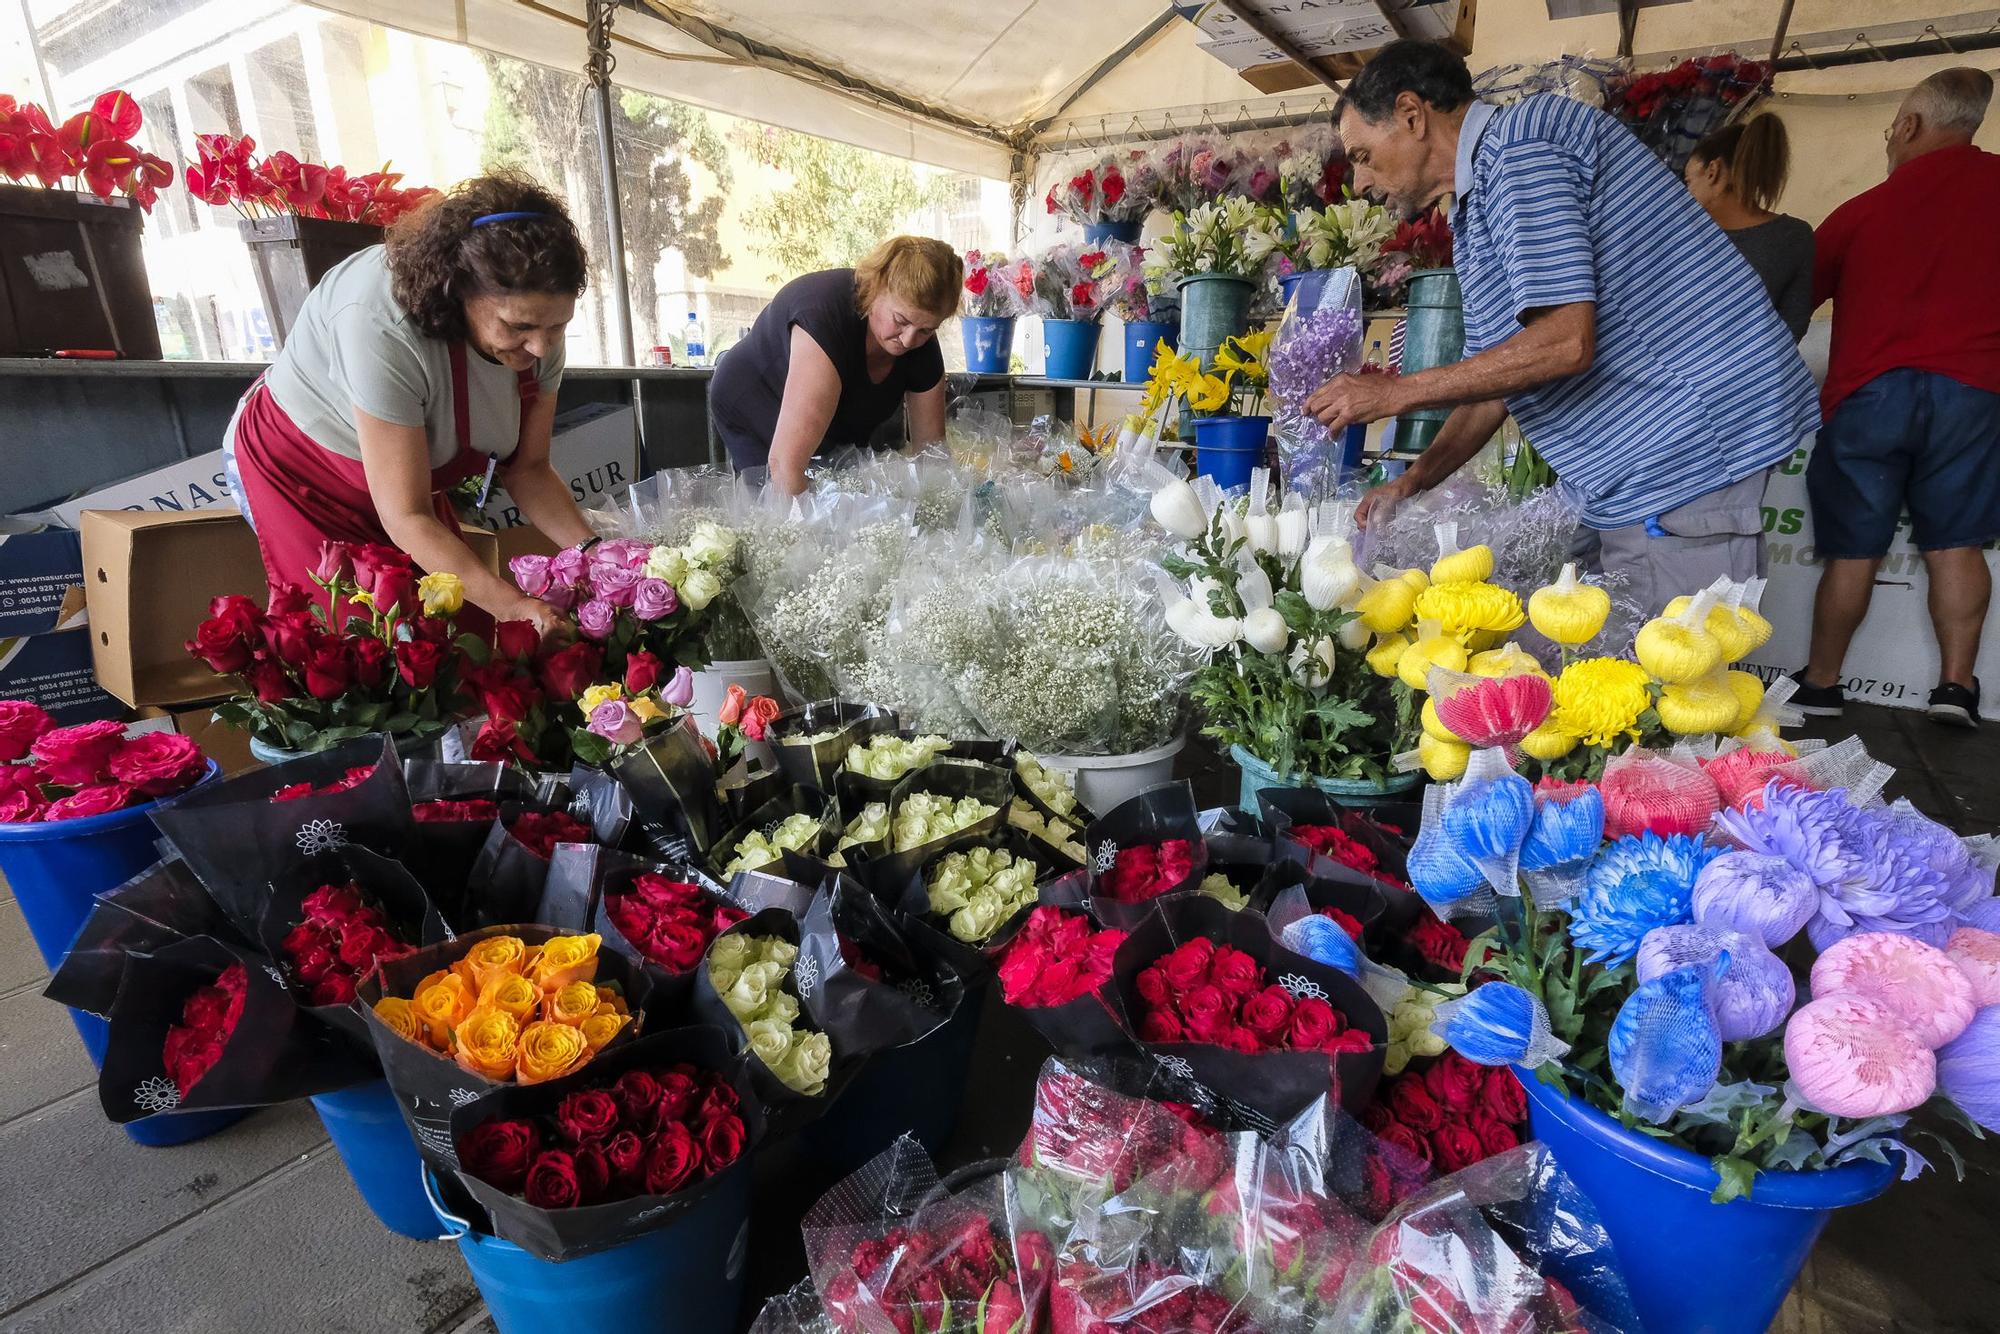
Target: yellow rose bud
492, 957
565, 959
1388, 651
397, 1014
441, 1002
601, 1028
1470, 566
443, 593
1676, 653
603, 693
1749, 688
512, 993
647, 708
485, 1043
1569, 611
1434, 728
1443, 760
550, 1051
1547, 743
610, 1000
571, 1004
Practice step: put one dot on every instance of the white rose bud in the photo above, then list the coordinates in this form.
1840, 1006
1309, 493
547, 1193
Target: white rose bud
711, 545
1265, 630
771, 1041
667, 563
1176, 508
699, 589
806, 1065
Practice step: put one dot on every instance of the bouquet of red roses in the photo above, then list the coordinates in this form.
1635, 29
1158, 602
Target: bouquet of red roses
374, 653
330, 921
997, 288
1448, 1114
1056, 959
338, 942
92, 150
208, 1017
592, 1161
71, 773
226, 173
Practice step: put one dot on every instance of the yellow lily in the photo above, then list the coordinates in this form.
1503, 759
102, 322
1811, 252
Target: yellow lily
1210, 393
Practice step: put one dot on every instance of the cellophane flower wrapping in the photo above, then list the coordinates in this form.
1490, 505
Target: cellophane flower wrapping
1508, 1244
892, 1250
814, 614
1319, 338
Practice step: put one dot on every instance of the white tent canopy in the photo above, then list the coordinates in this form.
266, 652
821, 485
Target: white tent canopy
981, 85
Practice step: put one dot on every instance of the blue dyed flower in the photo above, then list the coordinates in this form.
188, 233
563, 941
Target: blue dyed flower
1564, 832
1968, 1069
1640, 882
1489, 817
1752, 997
1665, 1045
1922, 879
1498, 1024
1322, 940
1446, 879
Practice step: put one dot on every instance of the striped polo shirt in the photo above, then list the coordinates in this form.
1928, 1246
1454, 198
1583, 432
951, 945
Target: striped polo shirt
1696, 383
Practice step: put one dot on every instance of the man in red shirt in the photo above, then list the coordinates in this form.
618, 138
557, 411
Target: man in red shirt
1912, 394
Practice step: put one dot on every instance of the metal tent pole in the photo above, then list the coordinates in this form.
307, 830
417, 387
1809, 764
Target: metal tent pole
597, 69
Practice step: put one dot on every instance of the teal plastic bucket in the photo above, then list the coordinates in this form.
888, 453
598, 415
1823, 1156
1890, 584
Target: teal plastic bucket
1694, 1267
1097, 233
1358, 793
368, 1132
1227, 448
1434, 336
56, 870
989, 343
687, 1278
1070, 348
1142, 341
1214, 306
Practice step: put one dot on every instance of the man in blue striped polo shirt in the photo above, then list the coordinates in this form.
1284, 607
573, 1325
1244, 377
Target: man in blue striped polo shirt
1603, 308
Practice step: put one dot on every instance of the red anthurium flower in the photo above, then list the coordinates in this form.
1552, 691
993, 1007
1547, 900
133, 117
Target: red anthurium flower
118, 114
108, 165
48, 160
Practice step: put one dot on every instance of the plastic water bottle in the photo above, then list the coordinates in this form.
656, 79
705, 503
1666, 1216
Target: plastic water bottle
697, 341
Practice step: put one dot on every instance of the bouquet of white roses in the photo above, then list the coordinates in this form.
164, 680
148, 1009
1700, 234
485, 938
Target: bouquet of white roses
750, 974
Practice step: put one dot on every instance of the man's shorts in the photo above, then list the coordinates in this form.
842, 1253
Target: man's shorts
1906, 438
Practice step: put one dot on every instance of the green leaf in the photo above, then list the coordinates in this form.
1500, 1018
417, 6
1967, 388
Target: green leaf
1298, 613
589, 747
1736, 1176
476, 649
400, 723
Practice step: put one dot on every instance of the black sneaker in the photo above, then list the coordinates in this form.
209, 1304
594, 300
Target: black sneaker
1819, 701
1955, 706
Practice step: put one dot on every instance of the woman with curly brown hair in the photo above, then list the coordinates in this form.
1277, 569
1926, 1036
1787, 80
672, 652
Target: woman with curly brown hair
414, 366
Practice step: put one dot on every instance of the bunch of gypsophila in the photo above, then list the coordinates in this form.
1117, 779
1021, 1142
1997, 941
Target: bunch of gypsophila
1082, 662
813, 615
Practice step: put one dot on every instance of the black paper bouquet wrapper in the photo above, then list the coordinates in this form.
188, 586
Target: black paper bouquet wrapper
856, 790
428, 1085
1385, 830
1092, 1024
442, 852
785, 1108
386, 884
558, 1235
918, 991
162, 904
671, 782
581, 883
1254, 865
1266, 1089
508, 878
276, 1052
911, 899
880, 868
847, 723
1160, 814
236, 839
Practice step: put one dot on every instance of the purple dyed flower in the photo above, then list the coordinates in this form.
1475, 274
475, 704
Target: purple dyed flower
614, 584
1968, 1069
1824, 835
1762, 896
567, 567
1752, 997
531, 574
654, 599
561, 596
596, 617
623, 553
615, 721
679, 689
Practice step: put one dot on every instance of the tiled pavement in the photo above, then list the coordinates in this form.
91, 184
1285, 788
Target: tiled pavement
258, 1229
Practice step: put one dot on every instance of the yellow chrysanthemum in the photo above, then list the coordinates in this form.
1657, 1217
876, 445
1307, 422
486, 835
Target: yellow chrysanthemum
1695, 708
1435, 729
1749, 688
1465, 608
1443, 760
1387, 607
1598, 700
1547, 743
1388, 651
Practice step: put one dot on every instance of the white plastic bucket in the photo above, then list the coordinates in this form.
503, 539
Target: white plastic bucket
1104, 781
712, 683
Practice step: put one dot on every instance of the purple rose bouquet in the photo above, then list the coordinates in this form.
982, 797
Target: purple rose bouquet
634, 596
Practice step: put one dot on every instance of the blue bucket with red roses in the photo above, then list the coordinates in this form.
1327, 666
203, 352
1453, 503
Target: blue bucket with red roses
58, 856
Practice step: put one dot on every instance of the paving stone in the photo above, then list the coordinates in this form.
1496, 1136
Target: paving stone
295, 1251
20, 962
40, 1052
79, 1192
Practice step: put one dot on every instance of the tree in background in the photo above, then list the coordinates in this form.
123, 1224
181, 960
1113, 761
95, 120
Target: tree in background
535, 122
840, 202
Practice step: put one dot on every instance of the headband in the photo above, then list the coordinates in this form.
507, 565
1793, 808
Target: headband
505, 217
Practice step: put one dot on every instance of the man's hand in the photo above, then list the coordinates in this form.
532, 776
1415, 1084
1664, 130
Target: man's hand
1347, 399
1382, 500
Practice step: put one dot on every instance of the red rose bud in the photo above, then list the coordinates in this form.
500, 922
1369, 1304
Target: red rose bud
478, 811
329, 672
292, 792
269, 682
1313, 1022
642, 671
418, 661
1494, 1136
516, 641
1268, 1014
286, 599
293, 637
333, 903
499, 743
722, 1141
1454, 1082
337, 989
221, 646
569, 672
1235, 972
1454, 1146
1407, 1142
678, 1096
1413, 1105
335, 564
625, 1154
552, 1181
587, 1116
396, 592
638, 1095
539, 833
372, 659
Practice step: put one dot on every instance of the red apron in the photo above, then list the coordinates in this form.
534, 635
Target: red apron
301, 494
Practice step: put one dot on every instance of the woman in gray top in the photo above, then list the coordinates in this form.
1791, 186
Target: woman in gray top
1737, 174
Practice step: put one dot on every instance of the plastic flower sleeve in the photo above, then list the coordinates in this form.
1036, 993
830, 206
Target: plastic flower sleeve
1510, 1243
1318, 338
1490, 711
1488, 817
1646, 792
1665, 1044
162, 904
1498, 1023
1563, 838
1448, 880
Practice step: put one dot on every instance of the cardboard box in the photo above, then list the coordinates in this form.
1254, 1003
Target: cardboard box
41, 582
485, 543
526, 540
55, 671
595, 446
148, 580
192, 484
228, 746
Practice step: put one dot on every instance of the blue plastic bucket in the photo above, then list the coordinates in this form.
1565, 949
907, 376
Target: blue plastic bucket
1071, 348
56, 870
369, 1134
989, 343
1227, 448
1142, 341
1358, 793
916, 1089
1694, 1267
1097, 233
1289, 284
687, 1278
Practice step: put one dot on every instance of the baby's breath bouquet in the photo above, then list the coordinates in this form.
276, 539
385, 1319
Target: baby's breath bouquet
816, 612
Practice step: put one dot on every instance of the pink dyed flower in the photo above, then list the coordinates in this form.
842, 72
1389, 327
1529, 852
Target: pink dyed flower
1490, 711
1851, 1056
1918, 983
1977, 954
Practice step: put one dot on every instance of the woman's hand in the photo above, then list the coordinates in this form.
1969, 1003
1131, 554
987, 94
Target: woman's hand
551, 624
